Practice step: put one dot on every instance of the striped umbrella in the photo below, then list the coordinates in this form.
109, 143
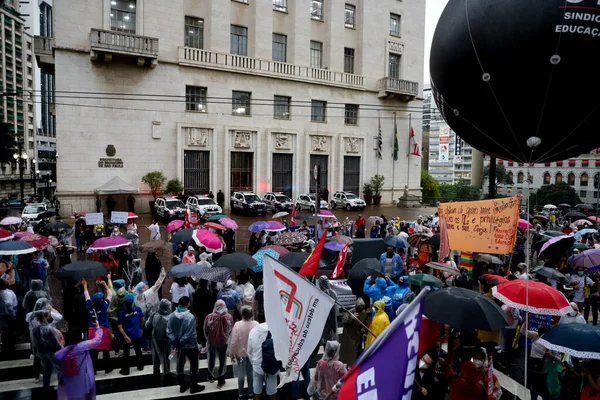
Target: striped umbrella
443, 267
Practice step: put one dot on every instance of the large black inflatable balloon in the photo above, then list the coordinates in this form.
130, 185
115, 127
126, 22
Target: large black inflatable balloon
504, 71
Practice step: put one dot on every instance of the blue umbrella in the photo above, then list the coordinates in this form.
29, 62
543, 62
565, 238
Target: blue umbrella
10, 248
396, 241
577, 340
584, 232
336, 246
259, 256
258, 226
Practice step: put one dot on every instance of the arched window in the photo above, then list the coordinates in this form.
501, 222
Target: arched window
571, 179
510, 176
546, 178
558, 177
583, 181
520, 177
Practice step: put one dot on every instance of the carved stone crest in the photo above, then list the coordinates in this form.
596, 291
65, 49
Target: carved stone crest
283, 141
395, 47
352, 145
197, 137
110, 150
319, 143
242, 140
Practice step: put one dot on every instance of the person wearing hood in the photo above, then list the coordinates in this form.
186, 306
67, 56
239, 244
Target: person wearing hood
230, 297
42, 311
352, 340
465, 386
330, 330
97, 308
130, 323
391, 264
204, 299
328, 372
46, 340
462, 280
190, 257
77, 381
400, 293
481, 361
217, 329
181, 331
147, 297
408, 298
258, 335
36, 292
379, 323
161, 348
573, 317
138, 274
239, 353
383, 289
114, 309
39, 269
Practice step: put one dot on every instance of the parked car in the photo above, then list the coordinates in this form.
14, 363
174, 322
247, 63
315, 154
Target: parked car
14, 202
247, 203
347, 200
169, 208
33, 212
203, 205
308, 202
277, 202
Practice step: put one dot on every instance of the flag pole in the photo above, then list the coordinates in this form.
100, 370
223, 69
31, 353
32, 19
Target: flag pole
395, 156
377, 154
408, 153
354, 316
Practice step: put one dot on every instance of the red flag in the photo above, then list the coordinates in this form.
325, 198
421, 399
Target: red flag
413, 145
310, 266
293, 219
187, 223
341, 261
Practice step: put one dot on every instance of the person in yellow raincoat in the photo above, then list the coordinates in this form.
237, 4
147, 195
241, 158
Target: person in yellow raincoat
379, 323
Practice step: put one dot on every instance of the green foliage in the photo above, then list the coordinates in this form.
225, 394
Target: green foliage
368, 189
502, 176
555, 194
9, 143
174, 186
377, 184
155, 181
447, 192
431, 187
464, 191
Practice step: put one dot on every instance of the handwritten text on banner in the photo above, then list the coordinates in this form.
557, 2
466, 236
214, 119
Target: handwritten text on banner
486, 226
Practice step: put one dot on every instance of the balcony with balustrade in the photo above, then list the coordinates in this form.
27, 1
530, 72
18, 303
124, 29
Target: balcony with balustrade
104, 45
44, 53
273, 69
392, 87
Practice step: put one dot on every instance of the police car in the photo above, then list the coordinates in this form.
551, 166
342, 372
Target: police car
347, 200
277, 202
169, 208
247, 203
203, 206
308, 201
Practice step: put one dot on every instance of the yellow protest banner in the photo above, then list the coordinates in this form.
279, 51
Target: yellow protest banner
485, 226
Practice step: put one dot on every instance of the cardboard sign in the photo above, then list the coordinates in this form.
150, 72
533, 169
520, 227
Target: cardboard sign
94, 218
118, 217
485, 226
311, 229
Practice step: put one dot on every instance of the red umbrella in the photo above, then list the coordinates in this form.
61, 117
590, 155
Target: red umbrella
5, 235
543, 299
214, 225
131, 215
38, 241
280, 249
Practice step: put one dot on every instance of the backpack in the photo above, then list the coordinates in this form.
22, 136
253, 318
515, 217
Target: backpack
270, 365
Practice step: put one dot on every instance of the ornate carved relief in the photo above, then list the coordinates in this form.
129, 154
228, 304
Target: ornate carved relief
197, 136
242, 140
283, 141
320, 143
395, 47
352, 145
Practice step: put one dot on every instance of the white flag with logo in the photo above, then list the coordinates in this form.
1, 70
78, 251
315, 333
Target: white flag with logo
296, 312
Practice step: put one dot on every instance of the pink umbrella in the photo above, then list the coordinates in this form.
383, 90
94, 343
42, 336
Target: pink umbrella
110, 242
523, 224
11, 221
5, 235
174, 225
229, 223
593, 218
280, 249
275, 226
38, 241
325, 214
208, 239
583, 222
19, 235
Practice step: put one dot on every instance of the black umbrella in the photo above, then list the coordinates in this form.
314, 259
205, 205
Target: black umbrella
215, 274
186, 269
555, 246
294, 260
57, 225
574, 215
464, 309
435, 240
130, 236
526, 216
81, 270
551, 273
184, 235
361, 270
235, 261
584, 206
565, 205
46, 215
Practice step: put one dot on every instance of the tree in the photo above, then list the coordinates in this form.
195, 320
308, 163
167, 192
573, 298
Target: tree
377, 184
464, 191
431, 187
555, 194
502, 177
447, 192
174, 186
9, 143
155, 181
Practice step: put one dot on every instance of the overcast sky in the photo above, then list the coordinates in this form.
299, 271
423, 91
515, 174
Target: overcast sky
433, 11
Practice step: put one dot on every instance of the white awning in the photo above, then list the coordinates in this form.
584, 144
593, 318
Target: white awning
116, 186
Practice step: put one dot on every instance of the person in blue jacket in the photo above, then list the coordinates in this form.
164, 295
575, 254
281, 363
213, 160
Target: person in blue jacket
400, 293
383, 290
391, 264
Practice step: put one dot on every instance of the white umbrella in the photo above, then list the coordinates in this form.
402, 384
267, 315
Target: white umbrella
550, 206
280, 214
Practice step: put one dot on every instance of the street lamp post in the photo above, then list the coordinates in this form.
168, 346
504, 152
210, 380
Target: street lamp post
34, 176
21, 157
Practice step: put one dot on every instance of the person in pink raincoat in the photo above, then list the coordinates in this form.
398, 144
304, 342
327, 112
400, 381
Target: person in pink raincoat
76, 380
